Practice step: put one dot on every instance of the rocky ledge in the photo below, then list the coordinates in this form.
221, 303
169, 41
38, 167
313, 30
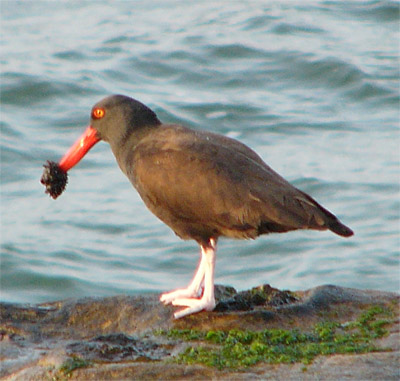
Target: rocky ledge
326, 333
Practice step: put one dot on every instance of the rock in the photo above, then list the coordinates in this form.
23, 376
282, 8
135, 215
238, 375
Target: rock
136, 337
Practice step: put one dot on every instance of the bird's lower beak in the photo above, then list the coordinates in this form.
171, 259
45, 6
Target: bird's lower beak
79, 149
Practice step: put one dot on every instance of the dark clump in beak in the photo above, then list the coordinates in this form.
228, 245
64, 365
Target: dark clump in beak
54, 179
55, 175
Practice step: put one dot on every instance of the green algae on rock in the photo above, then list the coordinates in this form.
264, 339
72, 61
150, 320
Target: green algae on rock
72, 363
243, 348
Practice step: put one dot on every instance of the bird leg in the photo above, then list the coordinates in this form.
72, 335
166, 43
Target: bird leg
191, 291
189, 297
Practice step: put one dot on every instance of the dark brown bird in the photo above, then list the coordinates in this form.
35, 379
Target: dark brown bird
202, 185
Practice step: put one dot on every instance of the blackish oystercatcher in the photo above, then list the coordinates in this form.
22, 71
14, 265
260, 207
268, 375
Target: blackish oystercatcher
201, 184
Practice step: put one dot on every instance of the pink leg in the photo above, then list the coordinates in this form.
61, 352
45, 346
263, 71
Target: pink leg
188, 297
191, 291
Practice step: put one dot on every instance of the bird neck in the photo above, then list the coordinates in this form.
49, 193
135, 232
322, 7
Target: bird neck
124, 146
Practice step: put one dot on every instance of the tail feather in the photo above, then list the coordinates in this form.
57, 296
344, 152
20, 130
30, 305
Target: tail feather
339, 228
329, 220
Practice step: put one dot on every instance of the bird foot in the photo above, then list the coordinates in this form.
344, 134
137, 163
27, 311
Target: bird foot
199, 295
180, 293
193, 305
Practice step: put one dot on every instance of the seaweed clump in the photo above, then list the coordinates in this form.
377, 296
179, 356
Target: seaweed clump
54, 179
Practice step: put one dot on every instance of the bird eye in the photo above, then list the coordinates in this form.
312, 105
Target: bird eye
98, 113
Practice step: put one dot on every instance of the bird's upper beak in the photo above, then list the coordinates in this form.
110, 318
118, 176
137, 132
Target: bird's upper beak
79, 149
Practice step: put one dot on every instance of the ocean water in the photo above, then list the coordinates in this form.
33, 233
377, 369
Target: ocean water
313, 87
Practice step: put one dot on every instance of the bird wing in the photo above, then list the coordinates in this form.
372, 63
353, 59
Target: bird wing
218, 184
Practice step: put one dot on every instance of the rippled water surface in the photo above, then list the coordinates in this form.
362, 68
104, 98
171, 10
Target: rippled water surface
313, 87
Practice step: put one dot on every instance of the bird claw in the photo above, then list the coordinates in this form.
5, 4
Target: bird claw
193, 306
181, 293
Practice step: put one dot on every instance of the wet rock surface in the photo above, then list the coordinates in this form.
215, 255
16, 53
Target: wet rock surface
126, 337
115, 348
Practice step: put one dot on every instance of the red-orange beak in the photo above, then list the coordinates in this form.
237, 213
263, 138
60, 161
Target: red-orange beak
79, 149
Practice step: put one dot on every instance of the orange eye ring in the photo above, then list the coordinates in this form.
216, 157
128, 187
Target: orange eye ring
98, 113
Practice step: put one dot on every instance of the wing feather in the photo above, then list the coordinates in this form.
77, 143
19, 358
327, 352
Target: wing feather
203, 183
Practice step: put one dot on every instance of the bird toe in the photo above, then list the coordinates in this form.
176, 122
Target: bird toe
192, 306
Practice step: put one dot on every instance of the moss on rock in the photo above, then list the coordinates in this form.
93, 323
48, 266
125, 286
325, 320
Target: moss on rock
244, 348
